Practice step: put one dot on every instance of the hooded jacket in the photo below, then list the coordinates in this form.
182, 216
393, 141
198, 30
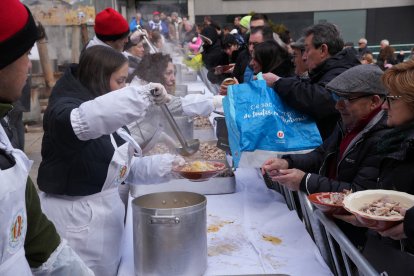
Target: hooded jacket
311, 97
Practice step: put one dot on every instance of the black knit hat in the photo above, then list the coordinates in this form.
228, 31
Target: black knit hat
19, 41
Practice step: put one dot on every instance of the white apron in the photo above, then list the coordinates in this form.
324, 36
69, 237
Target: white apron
13, 218
94, 225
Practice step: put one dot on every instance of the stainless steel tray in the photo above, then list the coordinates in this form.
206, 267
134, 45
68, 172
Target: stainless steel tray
215, 185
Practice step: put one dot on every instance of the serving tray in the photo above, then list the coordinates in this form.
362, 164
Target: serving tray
215, 185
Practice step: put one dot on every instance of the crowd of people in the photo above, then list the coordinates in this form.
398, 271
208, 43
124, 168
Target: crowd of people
101, 115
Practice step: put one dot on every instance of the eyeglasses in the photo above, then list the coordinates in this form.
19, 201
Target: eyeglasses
348, 100
390, 99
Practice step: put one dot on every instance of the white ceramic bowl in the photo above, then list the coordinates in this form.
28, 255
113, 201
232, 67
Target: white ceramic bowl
355, 201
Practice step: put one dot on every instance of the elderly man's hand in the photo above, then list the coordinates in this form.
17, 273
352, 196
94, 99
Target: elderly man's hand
273, 165
290, 178
396, 232
270, 78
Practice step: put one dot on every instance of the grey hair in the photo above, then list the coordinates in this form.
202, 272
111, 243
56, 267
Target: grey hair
326, 33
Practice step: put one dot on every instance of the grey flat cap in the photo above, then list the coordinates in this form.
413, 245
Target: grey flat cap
365, 78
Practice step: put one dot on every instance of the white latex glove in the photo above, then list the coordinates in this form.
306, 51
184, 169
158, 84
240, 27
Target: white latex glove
160, 95
152, 169
218, 101
63, 261
178, 161
137, 36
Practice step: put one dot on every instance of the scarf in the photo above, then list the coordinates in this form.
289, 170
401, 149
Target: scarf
392, 141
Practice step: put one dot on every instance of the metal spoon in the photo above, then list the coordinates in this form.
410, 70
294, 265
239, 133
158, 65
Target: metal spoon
188, 147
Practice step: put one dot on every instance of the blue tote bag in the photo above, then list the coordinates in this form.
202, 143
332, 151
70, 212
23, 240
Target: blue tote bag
257, 119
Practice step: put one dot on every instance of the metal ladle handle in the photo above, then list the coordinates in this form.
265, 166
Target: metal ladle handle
139, 28
172, 123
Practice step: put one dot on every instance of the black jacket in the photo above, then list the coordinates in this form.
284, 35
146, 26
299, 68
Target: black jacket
311, 97
358, 169
213, 55
242, 61
70, 166
397, 174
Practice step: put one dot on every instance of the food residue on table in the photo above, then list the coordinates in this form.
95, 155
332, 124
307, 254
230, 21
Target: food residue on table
222, 249
272, 239
212, 228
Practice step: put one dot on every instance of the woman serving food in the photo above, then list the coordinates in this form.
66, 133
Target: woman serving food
87, 154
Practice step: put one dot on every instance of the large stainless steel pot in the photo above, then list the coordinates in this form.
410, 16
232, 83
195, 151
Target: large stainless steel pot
170, 234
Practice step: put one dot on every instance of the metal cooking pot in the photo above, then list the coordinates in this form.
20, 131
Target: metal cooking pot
170, 234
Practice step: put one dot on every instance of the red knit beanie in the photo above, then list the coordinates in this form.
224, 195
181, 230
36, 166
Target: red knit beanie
18, 31
110, 25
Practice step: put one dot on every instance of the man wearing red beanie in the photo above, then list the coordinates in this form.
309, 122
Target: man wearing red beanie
29, 243
111, 29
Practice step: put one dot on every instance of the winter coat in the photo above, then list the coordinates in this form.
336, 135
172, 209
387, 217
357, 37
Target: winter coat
396, 257
70, 166
397, 174
242, 62
311, 97
358, 169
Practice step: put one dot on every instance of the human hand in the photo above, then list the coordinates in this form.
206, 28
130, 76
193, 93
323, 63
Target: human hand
218, 101
352, 219
178, 161
225, 84
270, 78
159, 94
290, 178
396, 232
273, 165
137, 36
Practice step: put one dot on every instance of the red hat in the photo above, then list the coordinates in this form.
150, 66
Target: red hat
110, 25
18, 31
156, 13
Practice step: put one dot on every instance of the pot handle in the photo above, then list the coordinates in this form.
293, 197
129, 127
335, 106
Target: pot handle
164, 220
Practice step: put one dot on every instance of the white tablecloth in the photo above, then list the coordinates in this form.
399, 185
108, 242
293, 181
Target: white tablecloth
250, 232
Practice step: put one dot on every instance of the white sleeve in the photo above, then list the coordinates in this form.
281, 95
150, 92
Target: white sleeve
197, 104
150, 169
106, 113
63, 261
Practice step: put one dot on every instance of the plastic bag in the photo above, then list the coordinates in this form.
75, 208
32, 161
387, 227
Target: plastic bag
257, 119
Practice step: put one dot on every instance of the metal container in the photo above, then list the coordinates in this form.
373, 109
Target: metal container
170, 234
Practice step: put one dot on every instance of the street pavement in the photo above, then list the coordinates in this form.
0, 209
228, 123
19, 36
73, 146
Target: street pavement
32, 146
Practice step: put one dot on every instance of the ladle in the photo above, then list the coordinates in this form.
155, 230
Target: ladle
188, 147
153, 49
